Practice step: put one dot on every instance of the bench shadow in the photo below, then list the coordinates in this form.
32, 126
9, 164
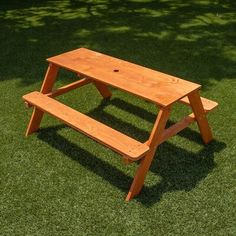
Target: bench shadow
179, 169
138, 133
108, 172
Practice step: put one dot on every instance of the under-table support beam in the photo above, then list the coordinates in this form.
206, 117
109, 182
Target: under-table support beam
65, 89
172, 130
176, 128
69, 87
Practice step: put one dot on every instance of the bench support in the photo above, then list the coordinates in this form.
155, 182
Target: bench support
69, 87
200, 116
153, 142
159, 134
47, 86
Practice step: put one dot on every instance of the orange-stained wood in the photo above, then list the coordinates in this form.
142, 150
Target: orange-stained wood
49, 78
69, 87
65, 89
149, 84
208, 105
103, 89
34, 122
176, 128
153, 142
47, 86
200, 116
117, 141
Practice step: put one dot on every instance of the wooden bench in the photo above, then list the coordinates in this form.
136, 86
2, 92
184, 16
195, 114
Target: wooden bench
208, 105
102, 70
126, 146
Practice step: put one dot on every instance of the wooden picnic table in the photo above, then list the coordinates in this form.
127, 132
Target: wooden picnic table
103, 70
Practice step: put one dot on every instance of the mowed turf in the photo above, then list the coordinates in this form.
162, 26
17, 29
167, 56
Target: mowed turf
59, 182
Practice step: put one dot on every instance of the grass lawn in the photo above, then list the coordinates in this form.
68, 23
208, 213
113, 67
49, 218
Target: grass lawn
58, 181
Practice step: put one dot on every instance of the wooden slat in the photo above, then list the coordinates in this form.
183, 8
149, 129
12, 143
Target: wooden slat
69, 87
176, 128
153, 142
47, 86
200, 116
208, 105
117, 141
65, 89
149, 84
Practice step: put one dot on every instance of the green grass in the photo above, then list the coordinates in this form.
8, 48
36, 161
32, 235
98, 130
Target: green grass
59, 182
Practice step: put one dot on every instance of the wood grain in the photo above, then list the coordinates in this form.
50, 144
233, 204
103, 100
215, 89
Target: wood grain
200, 116
67, 88
208, 105
47, 86
117, 141
149, 84
153, 142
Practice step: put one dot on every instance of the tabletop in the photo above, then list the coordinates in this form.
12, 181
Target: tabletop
149, 84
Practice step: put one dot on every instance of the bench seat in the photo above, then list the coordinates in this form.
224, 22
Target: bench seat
208, 105
121, 143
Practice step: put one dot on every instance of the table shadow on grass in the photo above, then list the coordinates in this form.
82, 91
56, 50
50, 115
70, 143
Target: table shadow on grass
179, 169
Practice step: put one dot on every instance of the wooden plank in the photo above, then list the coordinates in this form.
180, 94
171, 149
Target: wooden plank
69, 87
200, 116
47, 86
114, 139
153, 142
34, 122
103, 89
208, 105
65, 89
149, 84
49, 78
176, 128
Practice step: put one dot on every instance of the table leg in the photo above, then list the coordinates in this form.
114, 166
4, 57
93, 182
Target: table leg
47, 86
200, 116
103, 89
153, 142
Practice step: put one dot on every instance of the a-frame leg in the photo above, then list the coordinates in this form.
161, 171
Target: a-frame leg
47, 86
153, 142
200, 116
103, 89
